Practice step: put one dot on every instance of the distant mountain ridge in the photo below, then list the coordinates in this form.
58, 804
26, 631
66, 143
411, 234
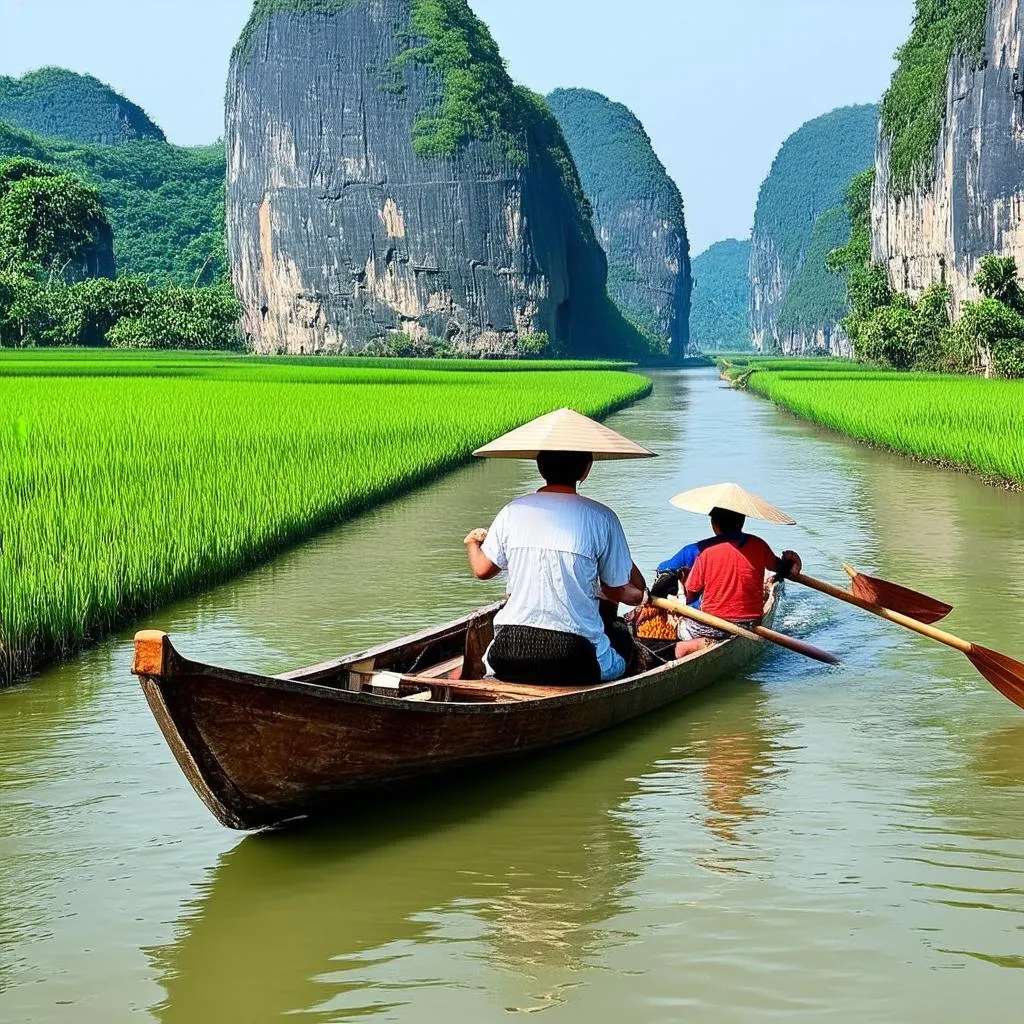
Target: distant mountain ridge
720, 318
63, 104
808, 178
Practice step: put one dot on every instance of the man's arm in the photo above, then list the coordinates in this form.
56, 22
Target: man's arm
483, 568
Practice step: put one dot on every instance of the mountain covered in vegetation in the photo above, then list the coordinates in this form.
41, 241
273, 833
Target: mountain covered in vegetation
808, 178
411, 196
65, 105
165, 203
720, 318
638, 213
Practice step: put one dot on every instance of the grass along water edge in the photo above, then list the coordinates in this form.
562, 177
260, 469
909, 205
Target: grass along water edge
966, 423
121, 492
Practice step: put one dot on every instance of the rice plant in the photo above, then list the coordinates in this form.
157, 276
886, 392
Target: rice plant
128, 482
959, 421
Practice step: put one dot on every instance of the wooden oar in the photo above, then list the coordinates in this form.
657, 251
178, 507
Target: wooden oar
757, 633
1003, 672
900, 599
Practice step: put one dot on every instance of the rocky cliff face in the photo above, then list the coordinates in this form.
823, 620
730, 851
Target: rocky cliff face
66, 105
972, 202
340, 234
638, 213
807, 180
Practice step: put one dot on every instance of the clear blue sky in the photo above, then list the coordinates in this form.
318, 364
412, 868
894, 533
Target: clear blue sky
718, 85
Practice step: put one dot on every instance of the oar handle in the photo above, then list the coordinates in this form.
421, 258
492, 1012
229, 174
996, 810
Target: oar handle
677, 607
755, 633
884, 613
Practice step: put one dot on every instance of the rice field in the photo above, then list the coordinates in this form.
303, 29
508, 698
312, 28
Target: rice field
127, 481
964, 422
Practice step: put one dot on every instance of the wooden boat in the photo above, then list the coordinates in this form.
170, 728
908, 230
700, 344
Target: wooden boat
260, 750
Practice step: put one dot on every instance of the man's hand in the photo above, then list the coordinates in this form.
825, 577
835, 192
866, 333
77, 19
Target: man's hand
476, 537
795, 560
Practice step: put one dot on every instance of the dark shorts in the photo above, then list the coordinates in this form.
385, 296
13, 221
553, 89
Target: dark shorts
543, 657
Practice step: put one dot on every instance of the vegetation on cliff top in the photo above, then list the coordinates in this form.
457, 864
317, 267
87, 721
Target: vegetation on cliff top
256, 456
67, 105
914, 106
614, 154
264, 9
719, 320
165, 203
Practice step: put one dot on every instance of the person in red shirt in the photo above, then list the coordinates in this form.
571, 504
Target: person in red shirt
728, 578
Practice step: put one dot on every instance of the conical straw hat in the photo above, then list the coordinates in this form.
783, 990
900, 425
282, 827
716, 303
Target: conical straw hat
733, 497
563, 431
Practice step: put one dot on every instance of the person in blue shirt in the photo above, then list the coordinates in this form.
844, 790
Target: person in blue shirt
673, 571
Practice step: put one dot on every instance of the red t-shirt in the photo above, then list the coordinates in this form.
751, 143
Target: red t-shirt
729, 578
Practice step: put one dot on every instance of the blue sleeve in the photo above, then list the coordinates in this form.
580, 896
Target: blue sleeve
682, 560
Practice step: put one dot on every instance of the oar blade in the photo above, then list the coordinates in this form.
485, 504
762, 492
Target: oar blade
899, 599
1003, 672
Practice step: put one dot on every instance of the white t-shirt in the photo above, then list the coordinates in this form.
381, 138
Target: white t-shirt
558, 548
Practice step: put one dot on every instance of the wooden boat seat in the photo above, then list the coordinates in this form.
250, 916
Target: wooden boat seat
445, 670
496, 690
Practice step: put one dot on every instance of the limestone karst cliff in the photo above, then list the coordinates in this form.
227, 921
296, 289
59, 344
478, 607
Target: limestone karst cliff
66, 105
638, 213
385, 177
967, 200
807, 180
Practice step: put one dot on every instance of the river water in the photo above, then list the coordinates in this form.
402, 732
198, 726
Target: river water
803, 843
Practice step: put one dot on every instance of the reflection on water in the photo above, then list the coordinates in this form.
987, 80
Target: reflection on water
524, 870
805, 843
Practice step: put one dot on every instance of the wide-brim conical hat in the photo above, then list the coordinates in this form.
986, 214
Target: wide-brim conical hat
733, 497
563, 431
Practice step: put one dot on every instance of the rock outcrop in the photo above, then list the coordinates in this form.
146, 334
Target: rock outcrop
970, 202
808, 178
638, 213
66, 105
368, 199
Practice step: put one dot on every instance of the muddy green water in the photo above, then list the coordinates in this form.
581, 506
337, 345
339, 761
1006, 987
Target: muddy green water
801, 844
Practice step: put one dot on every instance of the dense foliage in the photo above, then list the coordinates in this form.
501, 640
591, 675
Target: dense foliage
915, 103
891, 329
719, 320
614, 154
264, 9
52, 226
809, 176
54, 286
224, 463
960, 421
165, 203
816, 297
61, 103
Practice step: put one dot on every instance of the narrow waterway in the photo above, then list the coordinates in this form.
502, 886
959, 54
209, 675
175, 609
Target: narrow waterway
800, 844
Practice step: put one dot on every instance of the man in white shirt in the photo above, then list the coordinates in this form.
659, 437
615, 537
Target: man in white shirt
563, 554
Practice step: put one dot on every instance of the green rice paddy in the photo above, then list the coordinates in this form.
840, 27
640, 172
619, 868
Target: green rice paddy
964, 422
127, 480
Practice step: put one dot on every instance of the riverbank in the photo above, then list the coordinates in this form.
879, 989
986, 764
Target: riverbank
127, 481
965, 423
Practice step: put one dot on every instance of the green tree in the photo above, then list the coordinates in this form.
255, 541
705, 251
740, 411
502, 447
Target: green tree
997, 279
51, 224
182, 318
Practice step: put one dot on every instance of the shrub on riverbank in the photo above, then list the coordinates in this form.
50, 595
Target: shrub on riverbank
965, 422
118, 494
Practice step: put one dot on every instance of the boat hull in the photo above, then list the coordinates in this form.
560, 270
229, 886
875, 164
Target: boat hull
261, 750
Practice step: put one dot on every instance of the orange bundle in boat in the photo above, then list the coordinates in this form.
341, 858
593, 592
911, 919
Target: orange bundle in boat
654, 624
